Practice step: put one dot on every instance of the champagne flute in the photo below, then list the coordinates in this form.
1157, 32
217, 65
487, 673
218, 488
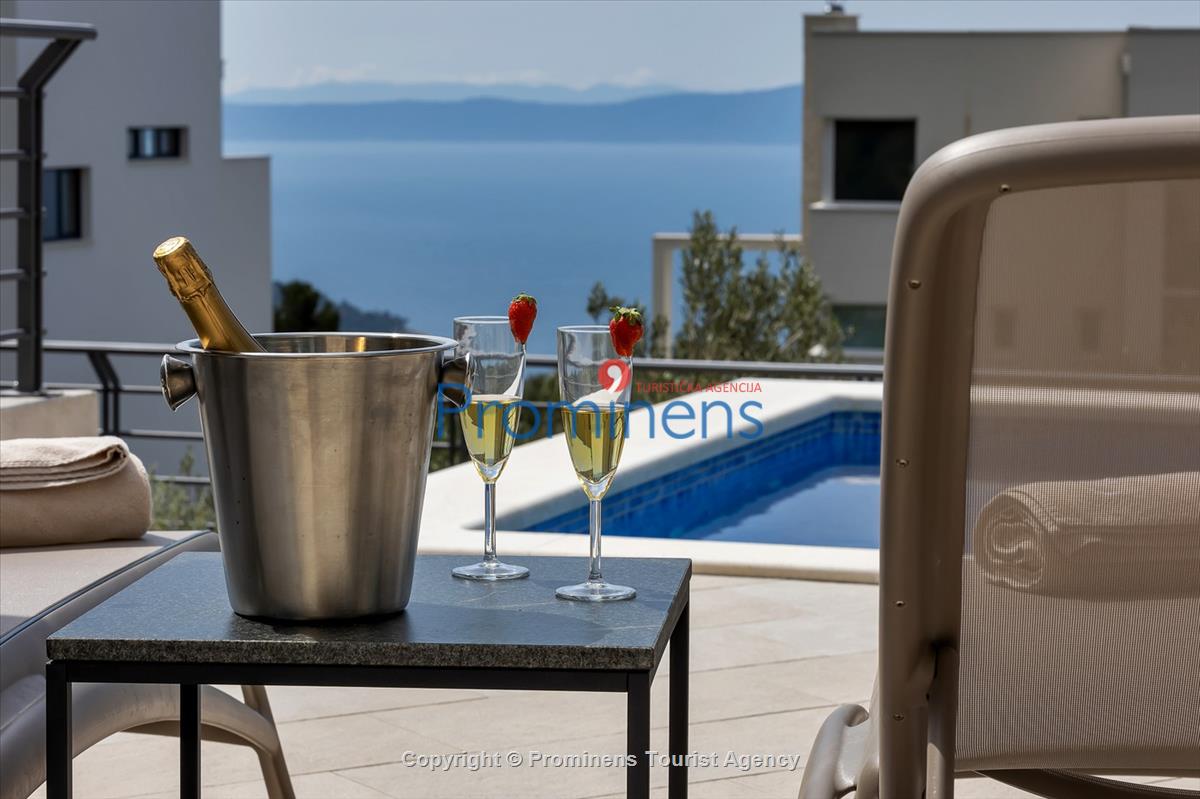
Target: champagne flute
594, 383
496, 381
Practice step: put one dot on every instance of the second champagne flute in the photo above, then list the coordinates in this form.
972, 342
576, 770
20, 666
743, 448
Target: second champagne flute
496, 380
594, 382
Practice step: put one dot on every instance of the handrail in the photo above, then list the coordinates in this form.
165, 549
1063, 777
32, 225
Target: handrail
855, 371
112, 389
46, 29
764, 368
29, 156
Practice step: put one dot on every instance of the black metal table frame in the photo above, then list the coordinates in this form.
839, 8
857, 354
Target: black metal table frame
190, 676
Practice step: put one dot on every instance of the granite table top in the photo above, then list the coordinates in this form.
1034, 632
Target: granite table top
180, 613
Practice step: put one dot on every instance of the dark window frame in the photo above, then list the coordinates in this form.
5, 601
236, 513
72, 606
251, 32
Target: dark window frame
153, 143
63, 203
862, 173
864, 324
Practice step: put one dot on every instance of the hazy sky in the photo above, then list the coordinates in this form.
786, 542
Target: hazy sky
695, 44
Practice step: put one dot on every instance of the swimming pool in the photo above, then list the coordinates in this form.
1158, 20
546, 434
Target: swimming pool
816, 483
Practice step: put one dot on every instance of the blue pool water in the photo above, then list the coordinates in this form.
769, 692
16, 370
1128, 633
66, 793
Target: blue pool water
816, 483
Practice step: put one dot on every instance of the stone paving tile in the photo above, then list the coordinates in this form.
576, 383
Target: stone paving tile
326, 785
526, 781
721, 607
788, 733
741, 691
786, 785
531, 717
982, 788
519, 718
727, 647
736, 788
129, 765
706, 582
837, 679
813, 594
819, 633
764, 600
298, 703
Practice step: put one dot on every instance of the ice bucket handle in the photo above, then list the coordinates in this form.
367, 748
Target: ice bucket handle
178, 380
452, 378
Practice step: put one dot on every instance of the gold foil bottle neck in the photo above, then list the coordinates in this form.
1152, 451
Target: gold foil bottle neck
186, 274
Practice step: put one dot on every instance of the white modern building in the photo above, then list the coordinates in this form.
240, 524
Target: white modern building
878, 103
133, 155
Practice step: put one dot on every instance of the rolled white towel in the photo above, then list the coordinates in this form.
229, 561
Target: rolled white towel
1097, 537
71, 491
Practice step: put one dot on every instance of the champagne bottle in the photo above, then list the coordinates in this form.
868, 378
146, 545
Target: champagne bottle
192, 284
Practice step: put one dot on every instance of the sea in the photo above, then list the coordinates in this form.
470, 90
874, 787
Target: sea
433, 230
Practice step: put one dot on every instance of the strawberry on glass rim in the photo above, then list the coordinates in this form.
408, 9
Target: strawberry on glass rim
626, 329
521, 313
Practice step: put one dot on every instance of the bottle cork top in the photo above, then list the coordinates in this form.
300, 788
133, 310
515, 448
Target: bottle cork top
186, 274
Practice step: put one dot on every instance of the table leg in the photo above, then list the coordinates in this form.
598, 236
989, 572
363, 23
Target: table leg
677, 779
58, 732
637, 721
189, 741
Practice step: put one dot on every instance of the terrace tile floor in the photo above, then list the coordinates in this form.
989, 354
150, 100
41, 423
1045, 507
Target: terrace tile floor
770, 659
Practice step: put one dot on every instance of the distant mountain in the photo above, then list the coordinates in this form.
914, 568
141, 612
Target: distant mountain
769, 116
374, 92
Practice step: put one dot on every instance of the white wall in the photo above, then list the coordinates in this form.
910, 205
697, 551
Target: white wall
153, 64
1164, 72
845, 244
955, 85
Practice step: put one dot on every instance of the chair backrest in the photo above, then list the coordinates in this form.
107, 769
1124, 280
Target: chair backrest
1040, 552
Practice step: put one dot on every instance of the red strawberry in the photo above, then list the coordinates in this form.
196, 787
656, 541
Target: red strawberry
521, 313
625, 329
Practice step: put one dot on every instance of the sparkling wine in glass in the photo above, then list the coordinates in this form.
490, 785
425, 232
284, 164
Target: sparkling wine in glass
594, 382
496, 381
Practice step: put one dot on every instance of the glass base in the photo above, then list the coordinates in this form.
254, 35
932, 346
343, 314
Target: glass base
595, 592
490, 570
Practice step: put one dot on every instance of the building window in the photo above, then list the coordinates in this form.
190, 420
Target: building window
62, 190
862, 325
156, 142
873, 159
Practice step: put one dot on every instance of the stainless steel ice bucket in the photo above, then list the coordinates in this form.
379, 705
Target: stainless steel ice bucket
318, 451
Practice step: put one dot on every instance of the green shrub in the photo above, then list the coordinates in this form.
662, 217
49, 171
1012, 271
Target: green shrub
182, 506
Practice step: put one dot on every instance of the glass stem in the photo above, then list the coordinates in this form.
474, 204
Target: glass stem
489, 522
594, 550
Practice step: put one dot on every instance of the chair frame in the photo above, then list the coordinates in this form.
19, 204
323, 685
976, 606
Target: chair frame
926, 423
106, 709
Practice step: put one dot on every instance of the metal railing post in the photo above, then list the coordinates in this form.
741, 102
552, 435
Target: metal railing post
30, 332
110, 392
29, 240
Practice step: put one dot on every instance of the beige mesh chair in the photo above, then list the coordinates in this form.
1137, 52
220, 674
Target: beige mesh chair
44, 588
1040, 545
